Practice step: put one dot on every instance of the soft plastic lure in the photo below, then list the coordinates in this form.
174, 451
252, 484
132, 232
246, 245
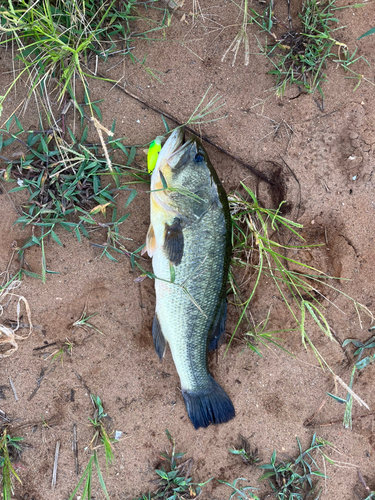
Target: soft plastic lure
153, 153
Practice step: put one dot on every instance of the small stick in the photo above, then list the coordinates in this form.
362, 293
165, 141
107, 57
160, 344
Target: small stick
13, 389
85, 386
43, 374
339, 420
44, 346
57, 450
4, 416
75, 447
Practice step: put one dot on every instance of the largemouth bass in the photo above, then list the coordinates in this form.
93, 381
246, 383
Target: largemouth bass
189, 240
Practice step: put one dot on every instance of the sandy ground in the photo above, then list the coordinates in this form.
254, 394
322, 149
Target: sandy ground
328, 162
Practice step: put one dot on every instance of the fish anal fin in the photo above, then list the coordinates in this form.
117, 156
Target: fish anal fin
217, 336
210, 405
150, 242
174, 242
159, 340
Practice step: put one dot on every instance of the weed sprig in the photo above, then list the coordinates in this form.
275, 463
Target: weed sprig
249, 456
100, 434
172, 485
293, 479
361, 363
10, 448
240, 492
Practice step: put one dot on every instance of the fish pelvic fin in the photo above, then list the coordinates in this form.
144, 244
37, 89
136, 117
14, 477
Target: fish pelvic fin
159, 340
150, 242
211, 405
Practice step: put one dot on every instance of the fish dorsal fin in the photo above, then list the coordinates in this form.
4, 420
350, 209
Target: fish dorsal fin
159, 340
174, 242
217, 336
150, 242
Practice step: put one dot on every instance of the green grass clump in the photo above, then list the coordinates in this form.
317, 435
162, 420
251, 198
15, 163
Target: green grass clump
61, 40
300, 55
240, 492
10, 449
173, 480
293, 479
71, 186
100, 439
249, 456
67, 347
261, 255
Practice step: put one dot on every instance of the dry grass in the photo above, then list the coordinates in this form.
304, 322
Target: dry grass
10, 299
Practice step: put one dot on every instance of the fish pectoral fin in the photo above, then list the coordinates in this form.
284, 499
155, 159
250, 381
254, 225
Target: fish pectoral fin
174, 242
150, 242
217, 336
159, 340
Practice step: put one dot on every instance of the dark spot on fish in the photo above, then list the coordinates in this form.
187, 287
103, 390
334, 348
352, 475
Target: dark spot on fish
198, 158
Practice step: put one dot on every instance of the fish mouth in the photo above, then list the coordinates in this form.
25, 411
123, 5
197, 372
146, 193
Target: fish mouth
174, 142
162, 173
184, 153
176, 149
174, 155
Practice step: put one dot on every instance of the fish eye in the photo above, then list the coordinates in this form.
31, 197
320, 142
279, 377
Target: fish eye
198, 158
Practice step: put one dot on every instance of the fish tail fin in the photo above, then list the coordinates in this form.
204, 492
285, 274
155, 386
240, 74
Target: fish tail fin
211, 405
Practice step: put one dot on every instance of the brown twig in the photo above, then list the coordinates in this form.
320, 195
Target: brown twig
85, 386
252, 169
4, 417
307, 422
44, 346
13, 389
75, 447
54, 474
42, 376
339, 420
336, 337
